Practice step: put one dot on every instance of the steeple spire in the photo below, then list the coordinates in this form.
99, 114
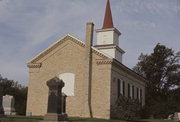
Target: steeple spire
108, 37
108, 22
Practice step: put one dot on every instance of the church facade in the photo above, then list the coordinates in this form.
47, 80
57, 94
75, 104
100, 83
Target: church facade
94, 76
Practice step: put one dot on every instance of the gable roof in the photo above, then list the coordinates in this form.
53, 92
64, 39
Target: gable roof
108, 59
59, 42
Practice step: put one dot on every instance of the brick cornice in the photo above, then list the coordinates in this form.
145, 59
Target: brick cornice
30, 65
100, 62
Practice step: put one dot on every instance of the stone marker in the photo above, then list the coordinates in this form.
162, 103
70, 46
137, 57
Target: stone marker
176, 116
8, 105
170, 117
55, 108
1, 107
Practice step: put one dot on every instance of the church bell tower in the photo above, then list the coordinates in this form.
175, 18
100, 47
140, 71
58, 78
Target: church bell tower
108, 37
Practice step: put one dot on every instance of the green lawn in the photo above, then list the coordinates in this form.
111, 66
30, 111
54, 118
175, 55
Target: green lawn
20, 119
37, 119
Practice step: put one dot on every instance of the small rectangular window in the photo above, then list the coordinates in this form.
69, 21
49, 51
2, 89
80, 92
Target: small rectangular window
129, 94
132, 92
123, 88
118, 87
141, 96
137, 93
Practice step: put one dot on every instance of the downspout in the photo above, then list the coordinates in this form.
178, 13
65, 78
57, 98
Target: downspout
88, 45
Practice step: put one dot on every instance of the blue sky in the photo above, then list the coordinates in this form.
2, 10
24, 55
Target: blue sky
27, 27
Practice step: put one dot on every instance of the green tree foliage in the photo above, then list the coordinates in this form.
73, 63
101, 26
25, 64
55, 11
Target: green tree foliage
162, 71
126, 109
18, 91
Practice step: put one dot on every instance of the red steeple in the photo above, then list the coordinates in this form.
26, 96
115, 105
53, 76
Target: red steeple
108, 22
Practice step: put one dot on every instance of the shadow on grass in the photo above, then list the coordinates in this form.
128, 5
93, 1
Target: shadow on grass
23, 117
137, 121
72, 119
79, 119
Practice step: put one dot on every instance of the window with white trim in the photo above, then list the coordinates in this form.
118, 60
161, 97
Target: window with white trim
120, 87
139, 94
130, 91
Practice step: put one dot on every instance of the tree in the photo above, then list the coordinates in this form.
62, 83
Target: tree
18, 91
162, 71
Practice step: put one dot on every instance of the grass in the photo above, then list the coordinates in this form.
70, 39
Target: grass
20, 119
37, 119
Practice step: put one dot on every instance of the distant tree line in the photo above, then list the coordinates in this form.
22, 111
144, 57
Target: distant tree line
19, 92
162, 70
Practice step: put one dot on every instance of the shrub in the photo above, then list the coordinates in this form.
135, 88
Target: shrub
126, 109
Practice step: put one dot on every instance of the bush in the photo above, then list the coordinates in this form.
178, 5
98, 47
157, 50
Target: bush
126, 109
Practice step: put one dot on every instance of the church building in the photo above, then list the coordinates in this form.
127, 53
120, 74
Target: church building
94, 76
